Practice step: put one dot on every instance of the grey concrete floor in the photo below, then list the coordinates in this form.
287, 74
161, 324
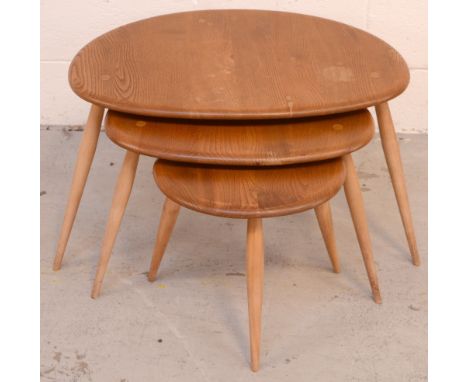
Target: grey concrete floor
191, 325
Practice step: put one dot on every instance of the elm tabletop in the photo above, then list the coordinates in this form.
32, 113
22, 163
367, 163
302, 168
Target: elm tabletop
237, 64
246, 143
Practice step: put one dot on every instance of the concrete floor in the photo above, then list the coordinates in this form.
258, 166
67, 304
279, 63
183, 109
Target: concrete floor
191, 325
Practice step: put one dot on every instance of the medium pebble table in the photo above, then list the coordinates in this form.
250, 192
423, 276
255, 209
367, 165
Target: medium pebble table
245, 170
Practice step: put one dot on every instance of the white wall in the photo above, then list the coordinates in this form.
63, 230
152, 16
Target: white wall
66, 25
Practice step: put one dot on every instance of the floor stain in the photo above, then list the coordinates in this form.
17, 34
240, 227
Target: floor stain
80, 356
367, 175
75, 128
77, 370
81, 369
57, 356
364, 188
47, 371
235, 274
66, 133
43, 192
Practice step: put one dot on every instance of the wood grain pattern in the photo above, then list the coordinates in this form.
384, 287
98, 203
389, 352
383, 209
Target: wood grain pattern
265, 143
83, 164
167, 222
255, 270
353, 194
391, 150
248, 192
122, 192
237, 64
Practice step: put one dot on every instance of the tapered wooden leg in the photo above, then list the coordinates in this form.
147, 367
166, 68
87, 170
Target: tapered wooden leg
122, 192
255, 287
356, 206
391, 150
82, 166
324, 217
166, 225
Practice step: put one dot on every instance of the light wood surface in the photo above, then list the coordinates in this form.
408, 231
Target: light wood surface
122, 192
353, 194
83, 164
166, 225
391, 150
324, 218
247, 192
237, 64
272, 142
255, 265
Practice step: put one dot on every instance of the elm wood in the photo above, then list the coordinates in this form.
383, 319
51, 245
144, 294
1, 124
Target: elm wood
249, 192
83, 164
170, 213
167, 222
266, 143
254, 266
217, 178
324, 217
254, 271
391, 150
353, 194
237, 64
119, 203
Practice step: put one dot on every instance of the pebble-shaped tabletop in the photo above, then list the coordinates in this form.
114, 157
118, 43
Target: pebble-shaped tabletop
237, 64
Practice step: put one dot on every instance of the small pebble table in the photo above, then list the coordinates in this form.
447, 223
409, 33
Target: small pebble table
250, 193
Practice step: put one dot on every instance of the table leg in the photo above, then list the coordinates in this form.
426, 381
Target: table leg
324, 217
255, 265
83, 164
392, 156
122, 192
353, 194
166, 225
